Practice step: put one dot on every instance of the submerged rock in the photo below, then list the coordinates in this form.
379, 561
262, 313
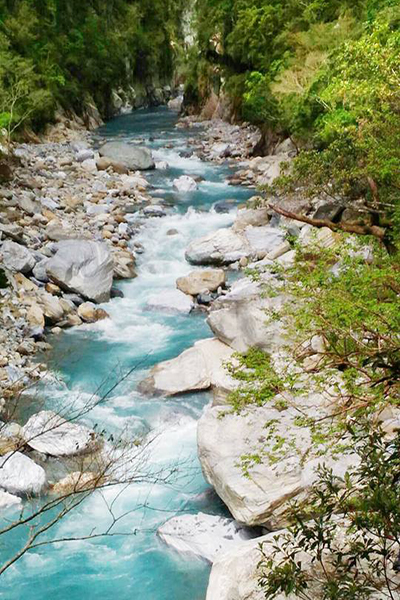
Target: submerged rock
50, 434
198, 368
84, 267
171, 301
20, 475
204, 536
185, 184
134, 158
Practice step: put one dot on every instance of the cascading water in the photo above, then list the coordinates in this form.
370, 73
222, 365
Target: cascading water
138, 566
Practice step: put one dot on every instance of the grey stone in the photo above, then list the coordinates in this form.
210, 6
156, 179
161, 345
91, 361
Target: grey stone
83, 267
17, 258
134, 157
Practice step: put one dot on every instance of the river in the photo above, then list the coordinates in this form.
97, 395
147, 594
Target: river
90, 358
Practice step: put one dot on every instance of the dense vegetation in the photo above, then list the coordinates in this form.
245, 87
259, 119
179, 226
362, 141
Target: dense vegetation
327, 74
61, 53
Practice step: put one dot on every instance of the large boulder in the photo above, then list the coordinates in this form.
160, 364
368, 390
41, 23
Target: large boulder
198, 368
239, 318
235, 573
255, 477
251, 216
20, 475
134, 158
84, 267
263, 240
50, 434
221, 247
198, 282
225, 246
17, 258
202, 535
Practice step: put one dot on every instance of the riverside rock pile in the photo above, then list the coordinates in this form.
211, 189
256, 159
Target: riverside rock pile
67, 226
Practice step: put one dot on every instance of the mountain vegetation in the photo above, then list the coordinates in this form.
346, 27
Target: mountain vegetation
60, 54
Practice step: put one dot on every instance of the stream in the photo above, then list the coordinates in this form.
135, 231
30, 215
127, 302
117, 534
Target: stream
91, 358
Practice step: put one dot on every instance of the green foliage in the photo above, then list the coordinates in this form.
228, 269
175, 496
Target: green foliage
60, 53
259, 381
346, 557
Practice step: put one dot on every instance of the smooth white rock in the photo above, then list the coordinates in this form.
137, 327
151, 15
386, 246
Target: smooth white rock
7, 500
17, 258
203, 535
84, 267
49, 433
185, 184
198, 368
20, 475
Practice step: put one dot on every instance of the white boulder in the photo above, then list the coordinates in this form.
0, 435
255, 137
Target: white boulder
239, 318
223, 246
17, 258
50, 434
202, 535
9, 500
185, 184
20, 475
134, 158
198, 368
84, 267
258, 492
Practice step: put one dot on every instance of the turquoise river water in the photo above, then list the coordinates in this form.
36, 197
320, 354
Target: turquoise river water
86, 358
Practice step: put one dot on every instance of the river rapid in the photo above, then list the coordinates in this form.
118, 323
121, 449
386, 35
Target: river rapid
89, 359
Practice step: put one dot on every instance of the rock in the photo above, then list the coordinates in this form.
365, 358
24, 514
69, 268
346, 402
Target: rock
35, 318
200, 281
89, 165
8, 500
259, 492
185, 184
223, 246
134, 158
20, 475
84, 154
235, 574
52, 307
76, 482
57, 231
17, 258
263, 240
124, 265
176, 103
173, 301
279, 251
239, 318
39, 271
103, 163
28, 205
311, 236
90, 314
84, 267
202, 535
251, 216
198, 368
172, 232
331, 211
225, 207
154, 211
50, 434
285, 147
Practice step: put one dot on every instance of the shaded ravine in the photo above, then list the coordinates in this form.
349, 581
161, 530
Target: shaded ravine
92, 355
